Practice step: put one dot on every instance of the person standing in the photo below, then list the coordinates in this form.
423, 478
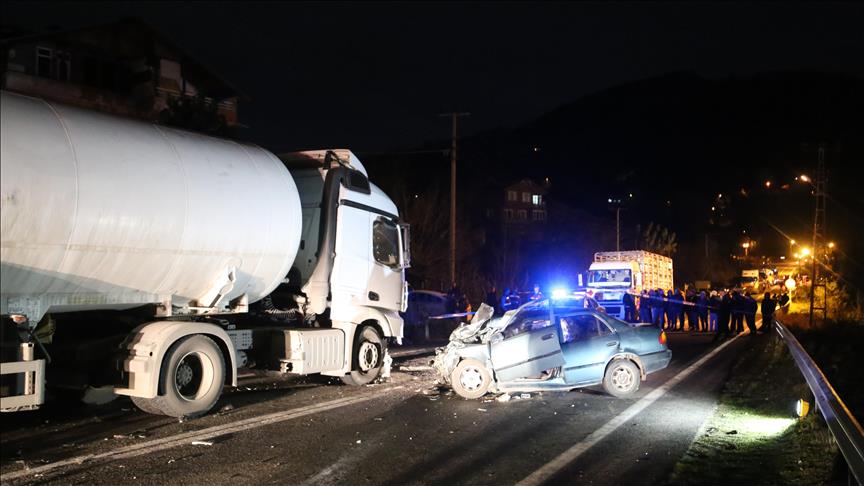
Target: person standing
702, 311
783, 303
671, 311
690, 310
629, 307
645, 307
537, 294
737, 312
658, 308
769, 305
713, 311
723, 316
492, 298
750, 306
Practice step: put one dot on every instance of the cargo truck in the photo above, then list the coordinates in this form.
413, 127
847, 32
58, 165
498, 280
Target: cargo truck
614, 273
170, 259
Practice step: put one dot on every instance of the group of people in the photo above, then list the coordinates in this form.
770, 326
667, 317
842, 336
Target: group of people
723, 312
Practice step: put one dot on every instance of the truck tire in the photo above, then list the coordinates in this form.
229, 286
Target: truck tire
622, 378
470, 379
146, 405
192, 377
367, 359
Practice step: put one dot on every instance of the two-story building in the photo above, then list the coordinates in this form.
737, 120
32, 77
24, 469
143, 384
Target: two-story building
125, 68
524, 207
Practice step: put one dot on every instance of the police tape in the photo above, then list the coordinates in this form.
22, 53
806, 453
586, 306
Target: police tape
450, 316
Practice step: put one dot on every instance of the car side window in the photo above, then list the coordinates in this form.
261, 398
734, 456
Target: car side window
528, 322
580, 327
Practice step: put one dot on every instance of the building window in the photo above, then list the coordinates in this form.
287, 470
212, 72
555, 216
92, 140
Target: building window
536, 199
508, 214
522, 215
538, 215
526, 197
44, 57
512, 196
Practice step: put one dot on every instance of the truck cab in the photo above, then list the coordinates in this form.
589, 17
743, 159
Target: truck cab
609, 281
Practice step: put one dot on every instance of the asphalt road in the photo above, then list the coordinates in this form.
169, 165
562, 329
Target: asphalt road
407, 431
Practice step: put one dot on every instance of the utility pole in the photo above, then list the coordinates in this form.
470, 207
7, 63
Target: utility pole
454, 116
616, 205
818, 236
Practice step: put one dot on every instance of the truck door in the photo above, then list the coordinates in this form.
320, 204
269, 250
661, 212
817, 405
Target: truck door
385, 286
529, 346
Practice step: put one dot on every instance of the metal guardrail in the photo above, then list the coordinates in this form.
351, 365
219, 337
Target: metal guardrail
846, 430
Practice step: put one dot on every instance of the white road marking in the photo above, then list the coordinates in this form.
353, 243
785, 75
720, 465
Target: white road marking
556, 465
164, 443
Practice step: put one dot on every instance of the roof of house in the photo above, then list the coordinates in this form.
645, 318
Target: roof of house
210, 82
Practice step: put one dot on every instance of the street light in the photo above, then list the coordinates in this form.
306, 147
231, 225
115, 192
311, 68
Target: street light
804, 178
805, 251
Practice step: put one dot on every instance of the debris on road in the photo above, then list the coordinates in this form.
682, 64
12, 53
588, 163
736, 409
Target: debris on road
525, 396
481, 409
359, 441
503, 398
415, 368
226, 408
202, 442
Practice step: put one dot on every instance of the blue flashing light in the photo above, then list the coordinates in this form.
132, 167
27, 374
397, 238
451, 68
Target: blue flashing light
559, 293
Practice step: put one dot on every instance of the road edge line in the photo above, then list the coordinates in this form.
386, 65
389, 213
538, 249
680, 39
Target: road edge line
560, 462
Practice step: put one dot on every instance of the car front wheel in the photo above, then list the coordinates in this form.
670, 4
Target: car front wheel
470, 379
622, 378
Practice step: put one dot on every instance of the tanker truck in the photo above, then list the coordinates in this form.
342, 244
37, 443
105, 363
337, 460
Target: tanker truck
169, 259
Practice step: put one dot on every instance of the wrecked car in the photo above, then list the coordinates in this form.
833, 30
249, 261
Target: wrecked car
553, 344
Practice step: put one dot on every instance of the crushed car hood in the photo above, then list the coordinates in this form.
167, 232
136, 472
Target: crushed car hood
481, 327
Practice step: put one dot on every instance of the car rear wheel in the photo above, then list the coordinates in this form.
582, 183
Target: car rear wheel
470, 379
622, 378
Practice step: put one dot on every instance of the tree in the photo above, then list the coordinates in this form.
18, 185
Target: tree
429, 218
658, 239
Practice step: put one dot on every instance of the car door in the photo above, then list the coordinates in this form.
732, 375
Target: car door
587, 345
529, 346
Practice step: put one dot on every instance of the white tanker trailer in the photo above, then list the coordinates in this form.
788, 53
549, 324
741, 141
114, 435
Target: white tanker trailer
106, 219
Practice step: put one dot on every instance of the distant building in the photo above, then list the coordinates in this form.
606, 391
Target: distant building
124, 68
523, 209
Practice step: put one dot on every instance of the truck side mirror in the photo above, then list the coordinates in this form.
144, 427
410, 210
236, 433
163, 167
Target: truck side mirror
405, 245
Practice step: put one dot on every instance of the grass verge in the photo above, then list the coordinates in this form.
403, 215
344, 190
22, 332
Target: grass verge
753, 436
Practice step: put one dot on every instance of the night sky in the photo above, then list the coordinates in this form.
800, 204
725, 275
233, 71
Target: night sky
578, 79
374, 76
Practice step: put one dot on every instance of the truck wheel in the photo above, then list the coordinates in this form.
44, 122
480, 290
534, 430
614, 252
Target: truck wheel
367, 358
622, 378
470, 379
192, 376
147, 405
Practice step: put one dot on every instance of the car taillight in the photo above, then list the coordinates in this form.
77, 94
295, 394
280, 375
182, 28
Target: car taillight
662, 338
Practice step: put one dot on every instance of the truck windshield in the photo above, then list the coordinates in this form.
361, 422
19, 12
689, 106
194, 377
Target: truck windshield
609, 276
